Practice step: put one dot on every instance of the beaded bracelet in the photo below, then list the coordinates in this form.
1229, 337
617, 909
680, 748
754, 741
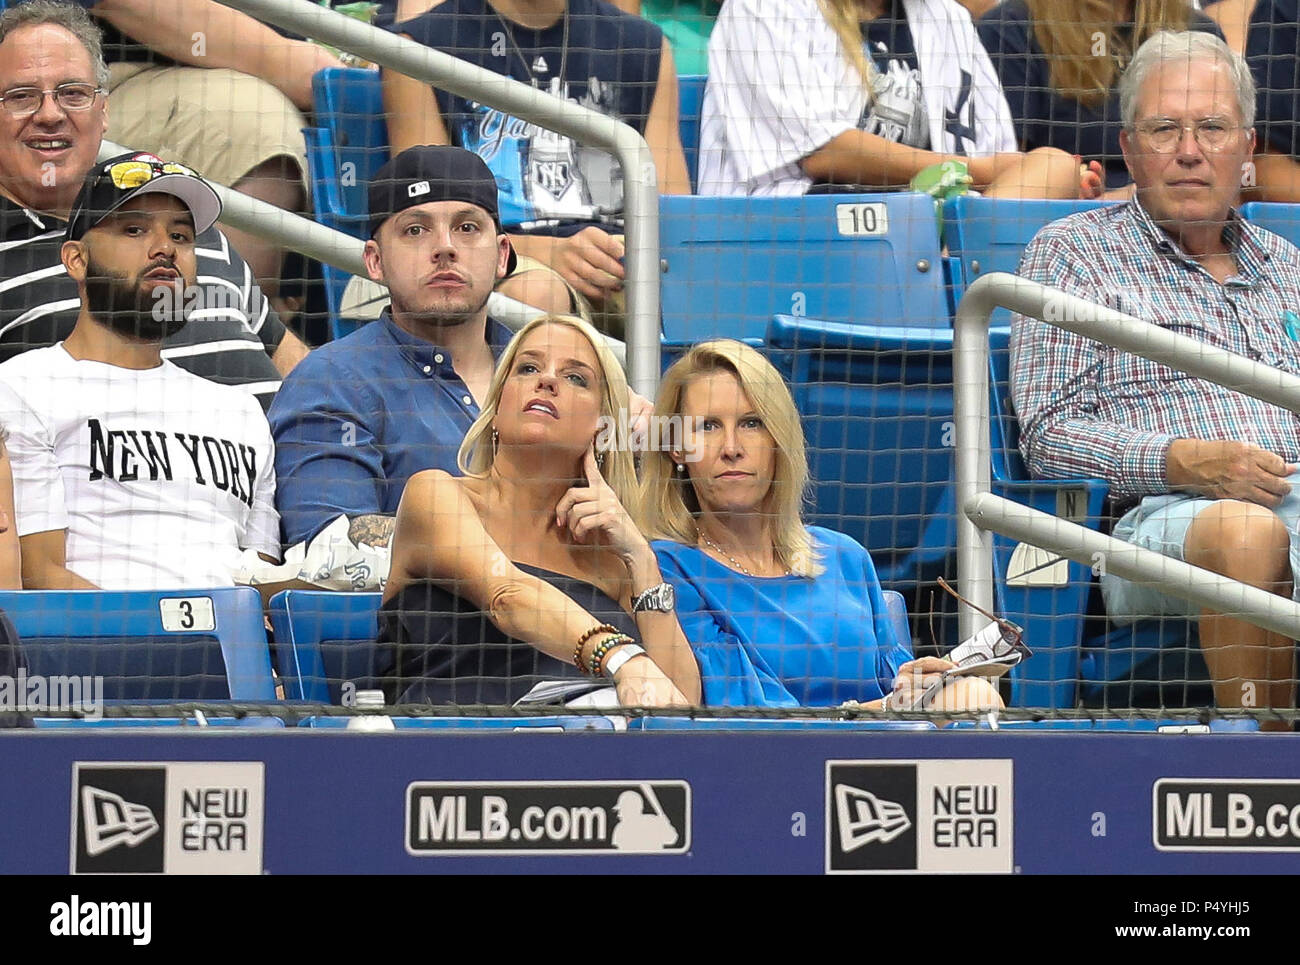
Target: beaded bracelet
603, 648
582, 641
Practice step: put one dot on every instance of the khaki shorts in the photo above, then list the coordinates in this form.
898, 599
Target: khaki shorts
220, 122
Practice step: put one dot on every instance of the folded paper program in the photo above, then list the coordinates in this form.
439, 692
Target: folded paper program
330, 561
991, 652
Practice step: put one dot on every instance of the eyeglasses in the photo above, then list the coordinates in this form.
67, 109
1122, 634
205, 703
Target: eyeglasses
25, 101
1164, 135
1009, 647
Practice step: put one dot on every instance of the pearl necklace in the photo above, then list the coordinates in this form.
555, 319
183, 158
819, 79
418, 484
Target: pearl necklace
734, 562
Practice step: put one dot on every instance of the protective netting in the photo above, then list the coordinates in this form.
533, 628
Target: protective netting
834, 177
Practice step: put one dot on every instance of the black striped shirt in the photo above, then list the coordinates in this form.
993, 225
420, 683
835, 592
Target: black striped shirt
231, 334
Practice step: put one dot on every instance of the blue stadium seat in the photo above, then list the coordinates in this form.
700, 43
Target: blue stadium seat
1281, 219
324, 639
158, 646
984, 235
1049, 597
730, 264
342, 155
349, 108
897, 609
690, 107
877, 408
320, 161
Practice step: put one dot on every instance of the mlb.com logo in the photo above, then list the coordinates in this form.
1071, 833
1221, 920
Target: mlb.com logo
553, 817
919, 816
173, 818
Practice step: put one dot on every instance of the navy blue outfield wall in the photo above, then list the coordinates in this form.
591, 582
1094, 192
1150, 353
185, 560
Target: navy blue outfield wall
345, 802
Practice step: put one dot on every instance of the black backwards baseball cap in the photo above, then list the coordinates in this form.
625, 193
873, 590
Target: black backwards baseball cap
428, 173
116, 181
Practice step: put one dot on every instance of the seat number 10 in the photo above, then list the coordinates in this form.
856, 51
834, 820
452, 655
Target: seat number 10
862, 219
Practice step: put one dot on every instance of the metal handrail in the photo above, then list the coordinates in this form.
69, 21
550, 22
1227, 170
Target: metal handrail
640, 180
980, 513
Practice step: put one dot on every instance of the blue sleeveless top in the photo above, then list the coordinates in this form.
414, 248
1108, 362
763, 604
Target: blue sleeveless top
548, 183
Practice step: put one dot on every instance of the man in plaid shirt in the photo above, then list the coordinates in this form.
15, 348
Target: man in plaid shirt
1207, 475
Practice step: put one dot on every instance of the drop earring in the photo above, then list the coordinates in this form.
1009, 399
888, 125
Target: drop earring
681, 469
496, 440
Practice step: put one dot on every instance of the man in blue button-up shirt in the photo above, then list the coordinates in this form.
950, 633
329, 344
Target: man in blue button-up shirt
363, 414
1208, 475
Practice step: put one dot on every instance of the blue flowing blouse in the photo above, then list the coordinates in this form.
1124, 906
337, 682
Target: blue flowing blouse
786, 641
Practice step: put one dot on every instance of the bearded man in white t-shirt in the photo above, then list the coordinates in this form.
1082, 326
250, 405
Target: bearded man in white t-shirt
129, 472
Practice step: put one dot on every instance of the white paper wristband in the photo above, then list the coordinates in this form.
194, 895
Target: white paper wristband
620, 656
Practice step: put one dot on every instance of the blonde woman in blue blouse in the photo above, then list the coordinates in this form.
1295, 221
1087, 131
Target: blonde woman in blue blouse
779, 614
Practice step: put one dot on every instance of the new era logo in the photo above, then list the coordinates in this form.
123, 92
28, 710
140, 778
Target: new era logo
864, 818
202, 817
417, 189
111, 820
926, 815
119, 818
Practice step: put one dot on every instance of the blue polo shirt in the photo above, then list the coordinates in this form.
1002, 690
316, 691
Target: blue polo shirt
359, 416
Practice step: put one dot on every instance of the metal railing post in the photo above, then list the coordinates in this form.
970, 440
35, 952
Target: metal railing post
970, 376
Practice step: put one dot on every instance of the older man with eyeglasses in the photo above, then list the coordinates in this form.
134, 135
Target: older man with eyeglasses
53, 116
1197, 471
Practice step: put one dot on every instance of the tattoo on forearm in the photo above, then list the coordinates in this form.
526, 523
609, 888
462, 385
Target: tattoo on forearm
372, 529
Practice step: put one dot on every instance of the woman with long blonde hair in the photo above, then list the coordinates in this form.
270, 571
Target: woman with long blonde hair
780, 614
529, 573
1060, 62
864, 93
